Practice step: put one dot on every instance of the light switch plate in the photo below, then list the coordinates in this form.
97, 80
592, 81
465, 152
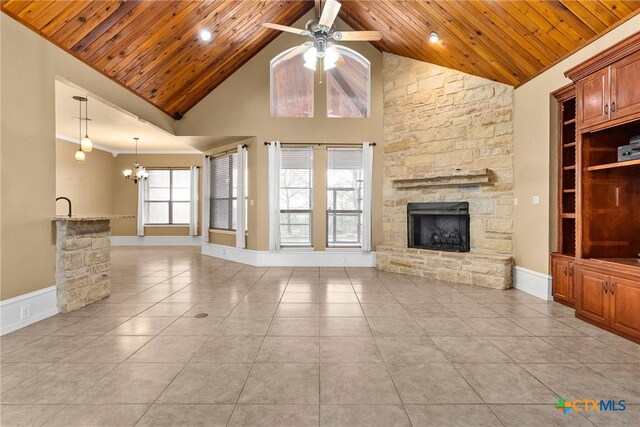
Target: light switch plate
515, 201
535, 200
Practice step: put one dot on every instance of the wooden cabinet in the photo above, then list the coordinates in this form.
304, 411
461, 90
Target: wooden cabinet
625, 87
609, 299
592, 301
593, 99
607, 86
598, 196
562, 279
624, 307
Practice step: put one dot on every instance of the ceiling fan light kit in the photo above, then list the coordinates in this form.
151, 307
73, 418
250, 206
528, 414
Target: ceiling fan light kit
321, 30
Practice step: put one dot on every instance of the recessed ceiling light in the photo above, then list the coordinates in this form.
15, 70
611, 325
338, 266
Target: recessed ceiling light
434, 37
205, 35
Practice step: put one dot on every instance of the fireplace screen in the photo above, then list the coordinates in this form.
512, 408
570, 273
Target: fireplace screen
438, 226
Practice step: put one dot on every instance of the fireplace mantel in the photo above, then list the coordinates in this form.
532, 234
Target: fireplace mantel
446, 178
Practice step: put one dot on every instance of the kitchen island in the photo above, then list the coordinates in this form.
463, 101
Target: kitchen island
83, 259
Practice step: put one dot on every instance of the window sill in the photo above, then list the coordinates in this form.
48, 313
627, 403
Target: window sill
345, 249
296, 249
166, 225
218, 231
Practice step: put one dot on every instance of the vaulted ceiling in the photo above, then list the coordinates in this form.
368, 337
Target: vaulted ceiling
153, 48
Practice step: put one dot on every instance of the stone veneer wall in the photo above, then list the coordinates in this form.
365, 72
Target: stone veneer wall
438, 119
82, 263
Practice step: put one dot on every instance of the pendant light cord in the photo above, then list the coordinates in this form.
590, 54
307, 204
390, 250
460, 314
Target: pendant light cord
86, 117
80, 123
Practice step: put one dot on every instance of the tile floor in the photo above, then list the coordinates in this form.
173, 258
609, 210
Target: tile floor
308, 346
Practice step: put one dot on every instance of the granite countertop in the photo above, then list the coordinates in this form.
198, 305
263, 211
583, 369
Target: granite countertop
96, 217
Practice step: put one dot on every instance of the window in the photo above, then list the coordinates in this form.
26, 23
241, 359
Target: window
348, 86
291, 86
167, 197
296, 194
224, 192
344, 197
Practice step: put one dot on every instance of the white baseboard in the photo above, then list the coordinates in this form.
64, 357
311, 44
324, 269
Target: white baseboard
532, 282
291, 258
156, 241
42, 304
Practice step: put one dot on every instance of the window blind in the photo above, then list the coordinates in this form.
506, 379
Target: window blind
296, 197
224, 192
344, 197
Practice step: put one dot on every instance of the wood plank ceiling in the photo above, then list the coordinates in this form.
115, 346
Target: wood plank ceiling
153, 48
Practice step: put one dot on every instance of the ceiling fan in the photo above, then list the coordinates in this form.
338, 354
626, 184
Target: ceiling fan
321, 30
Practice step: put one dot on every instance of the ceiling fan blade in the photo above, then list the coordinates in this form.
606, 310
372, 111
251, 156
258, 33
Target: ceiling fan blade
329, 13
283, 28
361, 36
295, 52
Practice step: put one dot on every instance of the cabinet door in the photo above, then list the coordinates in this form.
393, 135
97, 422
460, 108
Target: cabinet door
625, 87
625, 306
593, 99
560, 280
592, 300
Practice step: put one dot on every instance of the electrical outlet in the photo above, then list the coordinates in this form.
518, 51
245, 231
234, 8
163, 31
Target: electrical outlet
25, 311
535, 200
224, 251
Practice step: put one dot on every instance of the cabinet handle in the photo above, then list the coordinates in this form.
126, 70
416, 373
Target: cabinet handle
604, 287
611, 287
570, 271
606, 109
565, 270
613, 107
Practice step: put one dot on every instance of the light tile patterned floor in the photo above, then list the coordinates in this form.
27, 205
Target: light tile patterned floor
308, 346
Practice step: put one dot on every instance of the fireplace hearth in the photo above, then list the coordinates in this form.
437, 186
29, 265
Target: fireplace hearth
438, 226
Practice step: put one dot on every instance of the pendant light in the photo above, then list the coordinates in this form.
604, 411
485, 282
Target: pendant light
86, 145
80, 157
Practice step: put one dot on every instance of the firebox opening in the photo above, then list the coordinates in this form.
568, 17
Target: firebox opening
439, 226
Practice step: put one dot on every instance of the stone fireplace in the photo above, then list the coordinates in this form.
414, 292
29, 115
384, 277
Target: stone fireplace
448, 142
438, 226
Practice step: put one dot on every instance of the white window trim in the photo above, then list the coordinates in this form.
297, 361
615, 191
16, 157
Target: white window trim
170, 202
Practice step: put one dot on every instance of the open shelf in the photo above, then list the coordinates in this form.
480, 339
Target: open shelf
569, 190
568, 122
614, 165
569, 168
568, 215
569, 145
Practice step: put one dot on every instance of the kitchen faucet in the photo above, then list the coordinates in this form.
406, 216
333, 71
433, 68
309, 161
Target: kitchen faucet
65, 198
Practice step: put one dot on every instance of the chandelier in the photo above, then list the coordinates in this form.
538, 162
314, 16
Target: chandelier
139, 173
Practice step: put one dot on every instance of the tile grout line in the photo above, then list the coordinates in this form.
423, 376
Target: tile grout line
176, 376
259, 348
